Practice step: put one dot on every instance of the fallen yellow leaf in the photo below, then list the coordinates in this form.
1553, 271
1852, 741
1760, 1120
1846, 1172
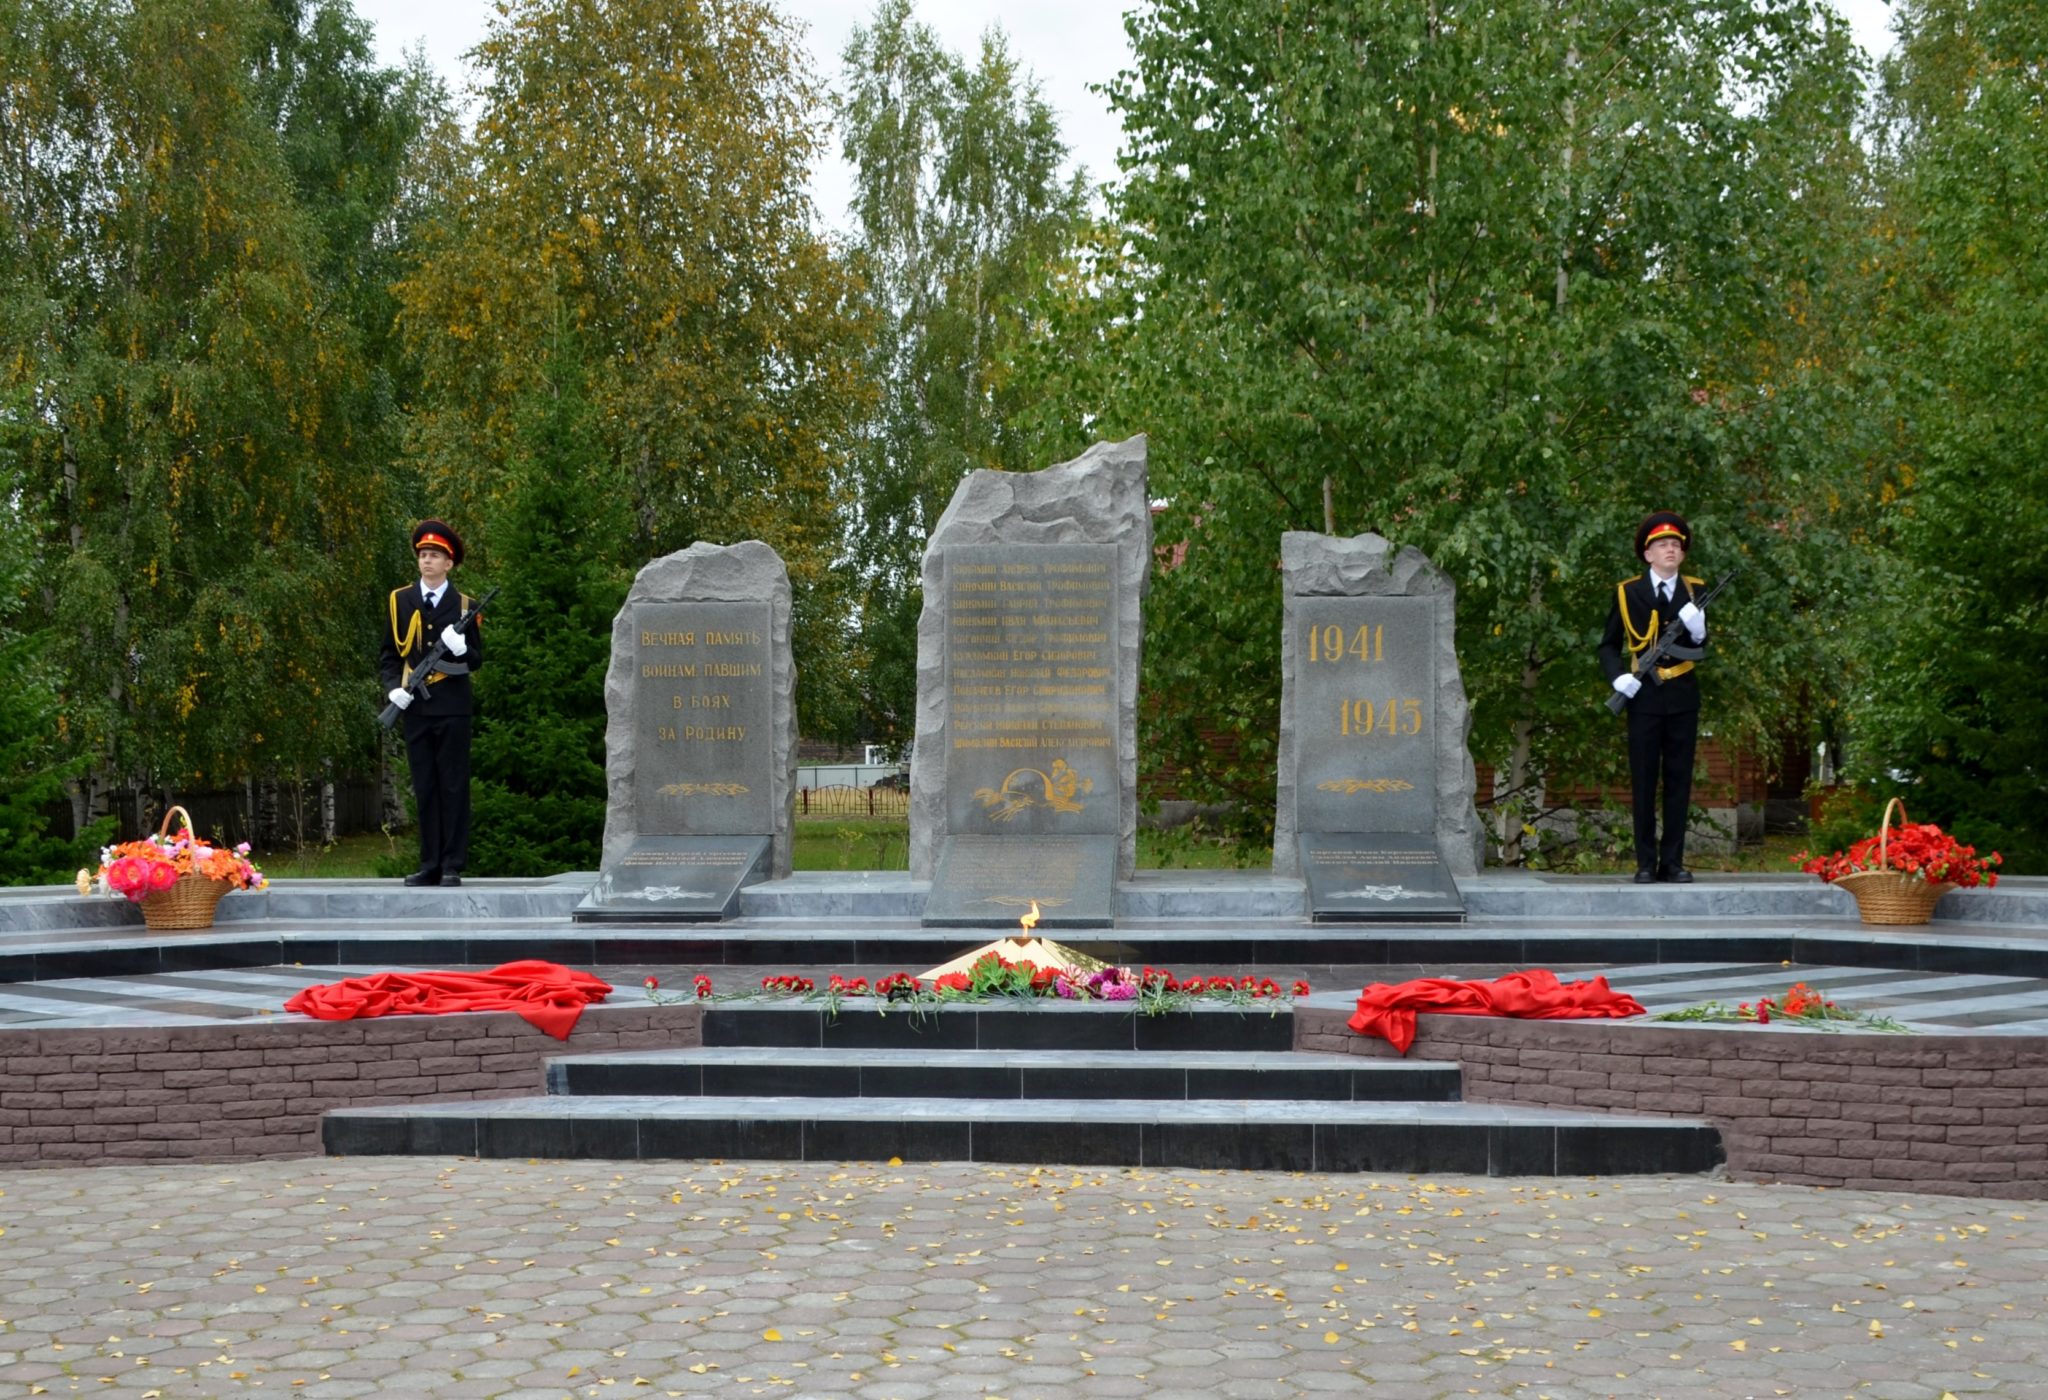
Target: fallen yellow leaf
771, 1335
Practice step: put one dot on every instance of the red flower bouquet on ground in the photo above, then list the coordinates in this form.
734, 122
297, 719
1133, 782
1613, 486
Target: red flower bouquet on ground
1898, 875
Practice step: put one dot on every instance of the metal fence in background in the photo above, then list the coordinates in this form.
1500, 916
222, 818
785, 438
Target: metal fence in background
271, 816
838, 800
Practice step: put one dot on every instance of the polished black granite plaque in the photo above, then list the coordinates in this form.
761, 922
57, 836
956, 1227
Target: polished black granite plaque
1378, 877
676, 880
991, 881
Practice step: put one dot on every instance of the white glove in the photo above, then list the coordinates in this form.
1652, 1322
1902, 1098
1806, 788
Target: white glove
1695, 621
452, 638
400, 697
1627, 685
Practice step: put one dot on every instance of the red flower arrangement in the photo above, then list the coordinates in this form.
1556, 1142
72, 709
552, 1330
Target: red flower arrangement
1154, 991
1920, 849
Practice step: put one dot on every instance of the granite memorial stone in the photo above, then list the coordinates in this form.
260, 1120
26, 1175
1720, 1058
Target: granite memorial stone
1376, 784
1027, 691
700, 745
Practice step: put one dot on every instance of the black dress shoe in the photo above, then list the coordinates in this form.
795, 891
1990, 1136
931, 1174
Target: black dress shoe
423, 877
1676, 875
449, 880
1645, 875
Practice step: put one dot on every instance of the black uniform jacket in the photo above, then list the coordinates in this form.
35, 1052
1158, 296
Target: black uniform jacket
1634, 622
409, 633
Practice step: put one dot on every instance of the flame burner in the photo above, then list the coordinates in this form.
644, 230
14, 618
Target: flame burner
1025, 946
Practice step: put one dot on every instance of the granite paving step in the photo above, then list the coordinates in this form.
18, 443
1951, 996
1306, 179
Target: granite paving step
1033, 1025
1248, 1135
1005, 1074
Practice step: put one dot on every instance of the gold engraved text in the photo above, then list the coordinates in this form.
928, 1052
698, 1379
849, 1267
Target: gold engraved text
1358, 718
1331, 644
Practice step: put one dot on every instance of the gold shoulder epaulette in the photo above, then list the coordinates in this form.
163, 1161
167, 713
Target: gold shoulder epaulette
1695, 582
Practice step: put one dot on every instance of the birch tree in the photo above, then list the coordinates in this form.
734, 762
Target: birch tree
962, 213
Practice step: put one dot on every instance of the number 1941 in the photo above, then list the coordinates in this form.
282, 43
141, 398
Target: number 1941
1331, 643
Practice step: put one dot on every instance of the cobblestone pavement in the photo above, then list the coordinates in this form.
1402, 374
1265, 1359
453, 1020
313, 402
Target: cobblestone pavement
458, 1278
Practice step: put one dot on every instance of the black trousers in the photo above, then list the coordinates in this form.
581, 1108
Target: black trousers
1660, 747
437, 750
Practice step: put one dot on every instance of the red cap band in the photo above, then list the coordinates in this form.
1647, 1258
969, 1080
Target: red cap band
436, 542
1665, 531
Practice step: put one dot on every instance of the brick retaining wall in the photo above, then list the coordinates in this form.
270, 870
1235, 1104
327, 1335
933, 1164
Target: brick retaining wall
257, 1088
1951, 1115
1960, 1115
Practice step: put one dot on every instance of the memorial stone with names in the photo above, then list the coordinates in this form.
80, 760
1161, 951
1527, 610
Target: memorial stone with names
1376, 811
1024, 774
701, 739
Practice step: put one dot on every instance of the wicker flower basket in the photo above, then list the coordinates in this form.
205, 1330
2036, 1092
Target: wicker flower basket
1892, 896
189, 904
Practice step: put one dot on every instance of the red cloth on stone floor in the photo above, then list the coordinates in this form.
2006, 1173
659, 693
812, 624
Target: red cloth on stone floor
1388, 1011
549, 996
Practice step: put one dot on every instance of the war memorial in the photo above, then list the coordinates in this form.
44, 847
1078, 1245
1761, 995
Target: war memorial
124, 1044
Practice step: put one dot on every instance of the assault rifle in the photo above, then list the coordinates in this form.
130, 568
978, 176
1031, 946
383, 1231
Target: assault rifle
435, 659
1668, 646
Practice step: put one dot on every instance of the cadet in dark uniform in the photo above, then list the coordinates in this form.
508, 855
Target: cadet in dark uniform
437, 724
1663, 720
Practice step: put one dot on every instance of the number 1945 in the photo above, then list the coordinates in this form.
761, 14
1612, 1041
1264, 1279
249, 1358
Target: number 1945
1358, 718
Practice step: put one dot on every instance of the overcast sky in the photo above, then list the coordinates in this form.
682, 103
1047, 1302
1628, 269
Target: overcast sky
1066, 44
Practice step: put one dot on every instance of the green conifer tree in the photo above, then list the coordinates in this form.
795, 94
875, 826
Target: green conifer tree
538, 789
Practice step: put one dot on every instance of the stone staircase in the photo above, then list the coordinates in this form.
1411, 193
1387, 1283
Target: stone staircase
1090, 1085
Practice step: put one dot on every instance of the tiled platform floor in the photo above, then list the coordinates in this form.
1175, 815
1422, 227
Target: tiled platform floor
1951, 1002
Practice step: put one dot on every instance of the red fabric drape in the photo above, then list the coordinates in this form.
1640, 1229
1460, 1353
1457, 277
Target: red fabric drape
549, 996
1388, 1011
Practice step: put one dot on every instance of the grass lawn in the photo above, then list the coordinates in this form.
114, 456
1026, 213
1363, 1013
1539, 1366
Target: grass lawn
350, 858
851, 843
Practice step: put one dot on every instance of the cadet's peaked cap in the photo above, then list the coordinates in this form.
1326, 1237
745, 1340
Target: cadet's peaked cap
440, 535
1662, 524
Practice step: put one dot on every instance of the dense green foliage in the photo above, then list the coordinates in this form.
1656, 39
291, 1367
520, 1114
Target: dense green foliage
33, 766
637, 175
1952, 696
538, 785
196, 422
1500, 280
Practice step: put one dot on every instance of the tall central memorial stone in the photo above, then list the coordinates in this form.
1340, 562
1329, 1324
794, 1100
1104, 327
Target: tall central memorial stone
1023, 780
1375, 811
700, 741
